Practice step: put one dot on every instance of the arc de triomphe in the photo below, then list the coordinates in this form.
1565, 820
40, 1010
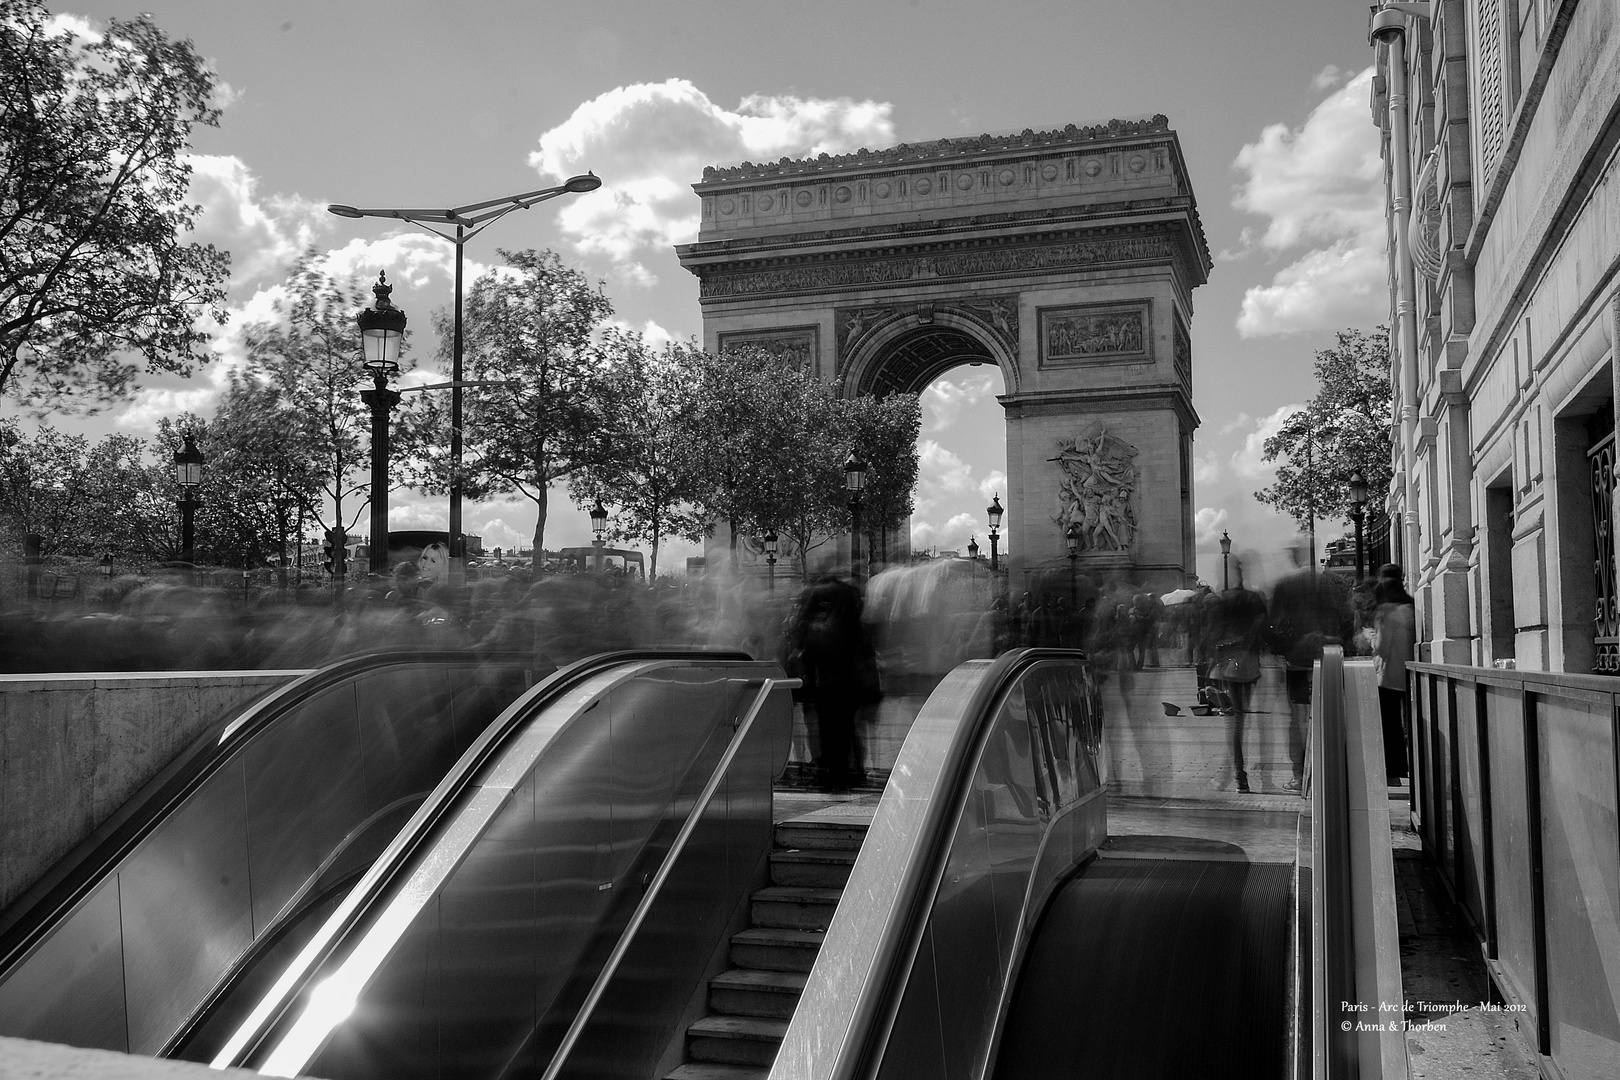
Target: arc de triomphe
1066, 258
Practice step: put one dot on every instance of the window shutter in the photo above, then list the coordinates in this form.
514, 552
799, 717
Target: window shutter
1489, 63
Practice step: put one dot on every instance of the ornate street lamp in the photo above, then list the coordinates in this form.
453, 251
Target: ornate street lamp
106, 565
382, 332
973, 549
1071, 537
188, 467
599, 516
854, 482
994, 512
770, 558
1358, 508
469, 220
1226, 553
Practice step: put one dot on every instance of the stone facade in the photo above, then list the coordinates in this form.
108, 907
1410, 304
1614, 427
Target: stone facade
1066, 258
1513, 244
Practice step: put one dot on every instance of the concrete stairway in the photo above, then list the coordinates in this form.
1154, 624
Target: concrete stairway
751, 1002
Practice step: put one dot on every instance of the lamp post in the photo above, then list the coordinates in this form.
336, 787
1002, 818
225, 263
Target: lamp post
106, 567
973, 549
188, 466
1226, 554
1071, 537
770, 558
599, 516
854, 483
1358, 508
994, 512
382, 332
469, 220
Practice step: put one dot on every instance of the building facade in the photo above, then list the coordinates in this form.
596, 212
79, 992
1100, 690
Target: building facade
1066, 258
1500, 121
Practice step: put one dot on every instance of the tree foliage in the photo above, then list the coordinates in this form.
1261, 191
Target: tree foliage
95, 273
297, 408
1344, 427
643, 463
529, 327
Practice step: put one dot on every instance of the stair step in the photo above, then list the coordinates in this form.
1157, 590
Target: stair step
817, 867
776, 949
736, 1040
796, 907
741, 992
715, 1070
824, 835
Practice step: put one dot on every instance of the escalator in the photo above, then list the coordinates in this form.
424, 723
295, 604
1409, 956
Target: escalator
267, 816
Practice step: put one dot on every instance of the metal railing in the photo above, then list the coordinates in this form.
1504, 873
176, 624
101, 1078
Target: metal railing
995, 798
1516, 785
1356, 1005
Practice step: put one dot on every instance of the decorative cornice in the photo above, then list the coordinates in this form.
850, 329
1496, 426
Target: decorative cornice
939, 148
927, 262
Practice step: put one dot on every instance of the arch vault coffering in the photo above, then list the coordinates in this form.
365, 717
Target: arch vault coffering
1066, 258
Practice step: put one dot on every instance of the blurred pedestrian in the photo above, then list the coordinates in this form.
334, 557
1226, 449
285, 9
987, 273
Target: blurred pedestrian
1307, 613
1237, 626
1395, 627
839, 668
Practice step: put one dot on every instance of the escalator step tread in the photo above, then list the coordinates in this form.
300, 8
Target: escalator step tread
715, 1070
786, 982
815, 855
754, 1028
770, 935
798, 894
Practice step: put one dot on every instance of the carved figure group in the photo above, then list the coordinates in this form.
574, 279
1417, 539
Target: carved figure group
1097, 490
1092, 335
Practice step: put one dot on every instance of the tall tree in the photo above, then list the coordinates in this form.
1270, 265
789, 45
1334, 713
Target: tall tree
1344, 427
45, 487
94, 268
643, 465
310, 368
528, 327
883, 431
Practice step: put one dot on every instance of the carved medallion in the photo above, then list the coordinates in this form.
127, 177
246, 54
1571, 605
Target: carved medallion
1098, 490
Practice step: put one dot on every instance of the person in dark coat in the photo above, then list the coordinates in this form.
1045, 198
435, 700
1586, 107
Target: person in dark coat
1237, 626
838, 664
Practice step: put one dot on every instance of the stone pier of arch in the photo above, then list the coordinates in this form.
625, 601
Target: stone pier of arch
1066, 258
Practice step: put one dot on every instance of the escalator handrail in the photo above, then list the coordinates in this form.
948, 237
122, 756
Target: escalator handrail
77, 873
424, 827
655, 888
860, 1030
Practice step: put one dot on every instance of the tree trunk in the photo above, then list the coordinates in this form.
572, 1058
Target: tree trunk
652, 573
537, 563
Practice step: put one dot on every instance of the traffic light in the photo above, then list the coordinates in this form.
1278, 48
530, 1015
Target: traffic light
332, 553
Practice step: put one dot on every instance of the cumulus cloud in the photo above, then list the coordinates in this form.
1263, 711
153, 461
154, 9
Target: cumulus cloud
1250, 460
993, 484
1320, 186
1206, 468
1208, 524
945, 399
263, 233
650, 142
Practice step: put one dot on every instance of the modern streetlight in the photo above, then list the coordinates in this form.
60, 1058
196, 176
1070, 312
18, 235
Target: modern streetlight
599, 516
854, 482
770, 558
1071, 537
469, 220
994, 512
382, 332
1226, 554
188, 466
1358, 508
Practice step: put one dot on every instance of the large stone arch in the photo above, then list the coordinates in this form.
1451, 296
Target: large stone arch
1067, 258
909, 350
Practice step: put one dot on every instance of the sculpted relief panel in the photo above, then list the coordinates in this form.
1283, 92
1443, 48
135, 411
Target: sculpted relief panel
795, 345
1098, 491
1096, 332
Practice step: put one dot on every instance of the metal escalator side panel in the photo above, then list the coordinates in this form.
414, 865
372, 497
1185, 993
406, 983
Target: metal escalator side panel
471, 953
637, 1006
223, 845
994, 797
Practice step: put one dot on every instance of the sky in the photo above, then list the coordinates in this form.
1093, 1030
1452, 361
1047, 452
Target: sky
422, 103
